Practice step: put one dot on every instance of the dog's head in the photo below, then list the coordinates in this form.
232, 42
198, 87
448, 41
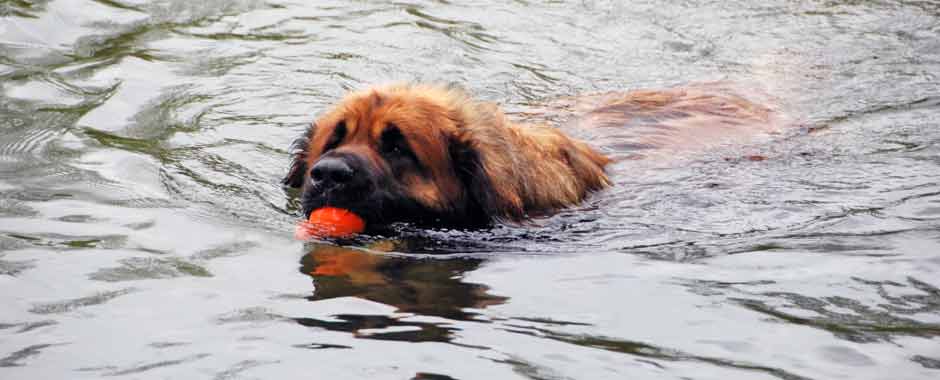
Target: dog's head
430, 155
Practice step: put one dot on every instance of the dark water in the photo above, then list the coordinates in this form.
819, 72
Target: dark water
143, 233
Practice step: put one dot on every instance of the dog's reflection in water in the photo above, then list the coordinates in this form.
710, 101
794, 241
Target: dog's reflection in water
423, 286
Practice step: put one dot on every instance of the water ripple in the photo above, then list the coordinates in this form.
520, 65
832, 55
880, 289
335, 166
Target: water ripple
143, 141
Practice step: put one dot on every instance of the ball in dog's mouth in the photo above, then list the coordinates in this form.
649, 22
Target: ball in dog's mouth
330, 222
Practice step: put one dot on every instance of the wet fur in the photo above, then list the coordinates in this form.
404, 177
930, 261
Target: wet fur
476, 166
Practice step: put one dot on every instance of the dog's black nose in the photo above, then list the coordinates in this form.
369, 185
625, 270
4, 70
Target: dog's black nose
332, 170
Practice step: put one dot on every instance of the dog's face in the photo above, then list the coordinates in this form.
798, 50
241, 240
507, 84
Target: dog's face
431, 156
386, 156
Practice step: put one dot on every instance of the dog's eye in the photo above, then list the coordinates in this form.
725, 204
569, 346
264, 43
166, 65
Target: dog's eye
394, 143
339, 133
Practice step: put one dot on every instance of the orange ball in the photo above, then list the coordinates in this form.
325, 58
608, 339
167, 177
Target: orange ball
330, 222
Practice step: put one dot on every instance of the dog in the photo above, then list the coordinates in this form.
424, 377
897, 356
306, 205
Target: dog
432, 155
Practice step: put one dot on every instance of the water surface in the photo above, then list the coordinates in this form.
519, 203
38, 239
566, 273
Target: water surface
143, 232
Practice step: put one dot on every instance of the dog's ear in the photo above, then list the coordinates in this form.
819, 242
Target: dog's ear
512, 172
298, 158
484, 200
478, 162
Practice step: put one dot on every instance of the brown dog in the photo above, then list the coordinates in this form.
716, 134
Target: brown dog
431, 155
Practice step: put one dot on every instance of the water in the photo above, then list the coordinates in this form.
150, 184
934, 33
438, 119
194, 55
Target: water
143, 233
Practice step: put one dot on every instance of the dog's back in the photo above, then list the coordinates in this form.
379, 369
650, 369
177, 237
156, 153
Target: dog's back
675, 121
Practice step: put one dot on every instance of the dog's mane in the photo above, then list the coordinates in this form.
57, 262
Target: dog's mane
509, 171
